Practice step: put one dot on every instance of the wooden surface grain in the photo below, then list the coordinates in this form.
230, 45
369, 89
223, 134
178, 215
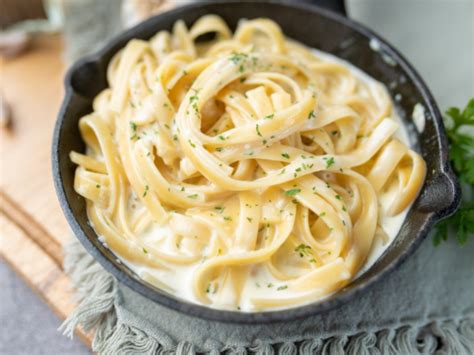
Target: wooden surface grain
32, 226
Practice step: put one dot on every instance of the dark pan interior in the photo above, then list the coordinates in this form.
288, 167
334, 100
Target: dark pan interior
316, 28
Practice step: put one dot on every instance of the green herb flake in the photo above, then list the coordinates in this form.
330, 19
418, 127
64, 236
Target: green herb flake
329, 162
292, 192
193, 196
281, 288
304, 250
285, 155
145, 192
237, 58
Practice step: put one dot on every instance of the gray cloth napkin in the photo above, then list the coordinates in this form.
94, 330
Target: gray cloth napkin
426, 306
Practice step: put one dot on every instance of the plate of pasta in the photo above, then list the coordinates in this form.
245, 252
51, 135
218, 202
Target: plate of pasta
224, 165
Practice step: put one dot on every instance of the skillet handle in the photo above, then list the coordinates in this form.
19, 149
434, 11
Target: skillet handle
442, 195
333, 5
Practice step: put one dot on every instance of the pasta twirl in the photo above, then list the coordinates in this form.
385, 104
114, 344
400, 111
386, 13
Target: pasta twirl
248, 172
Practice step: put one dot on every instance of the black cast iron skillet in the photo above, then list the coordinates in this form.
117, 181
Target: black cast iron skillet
316, 27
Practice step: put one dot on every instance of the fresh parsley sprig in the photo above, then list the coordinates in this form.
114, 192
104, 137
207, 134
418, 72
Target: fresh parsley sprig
460, 131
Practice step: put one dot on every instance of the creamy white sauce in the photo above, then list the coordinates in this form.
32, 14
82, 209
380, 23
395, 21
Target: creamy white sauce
179, 279
374, 44
419, 117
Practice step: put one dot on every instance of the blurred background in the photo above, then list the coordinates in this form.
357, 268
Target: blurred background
39, 39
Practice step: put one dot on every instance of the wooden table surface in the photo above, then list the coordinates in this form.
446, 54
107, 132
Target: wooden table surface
32, 226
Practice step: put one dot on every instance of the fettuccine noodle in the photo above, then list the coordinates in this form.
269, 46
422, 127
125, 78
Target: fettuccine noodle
244, 172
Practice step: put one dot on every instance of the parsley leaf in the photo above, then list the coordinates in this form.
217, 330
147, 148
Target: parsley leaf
293, 192
461, 153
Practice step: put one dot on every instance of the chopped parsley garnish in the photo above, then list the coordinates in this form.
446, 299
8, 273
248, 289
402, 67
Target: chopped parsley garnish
292, 192
193, 196
97, 186
133, 126
145, 191
221, 137
284, 287
257, 128
329, 162
145, 251
227, 218
269, 117
191, 143
237, 58
285, 155
311, 115
304, 250
270, 285
249, 219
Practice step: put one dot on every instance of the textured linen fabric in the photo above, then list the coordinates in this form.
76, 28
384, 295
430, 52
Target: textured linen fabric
425, 306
